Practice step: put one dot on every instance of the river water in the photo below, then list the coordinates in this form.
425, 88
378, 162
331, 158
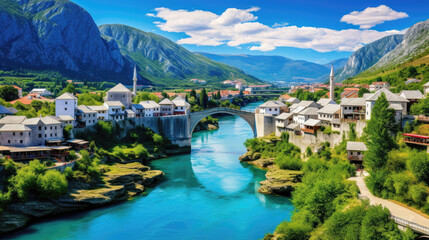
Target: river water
207, 194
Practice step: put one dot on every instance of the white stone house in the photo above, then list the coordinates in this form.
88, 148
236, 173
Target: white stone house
166, 107
40, 91
15, 135
151, 108
282, 121
304, 115
115, 110
325, 101
181, 107
102, 112
120, 93
12, 119
65, 120
44, 129
353, 108
391, 98
66, 104
138, 109
85, 116
379, 85
328, 113
356, 152
273, 108
412, 96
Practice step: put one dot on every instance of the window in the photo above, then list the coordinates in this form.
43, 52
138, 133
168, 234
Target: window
65, 109
13, 133
66, 102
46, 135
20, 141
51, 127
40, 128
21, 133
55, 127
55, 134
8, 141
40, 135
46, 128
51, 134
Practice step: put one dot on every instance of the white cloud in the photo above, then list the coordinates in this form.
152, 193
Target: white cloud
372, 16
236, 27
282, 24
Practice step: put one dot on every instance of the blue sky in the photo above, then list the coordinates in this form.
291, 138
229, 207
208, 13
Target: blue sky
313, 30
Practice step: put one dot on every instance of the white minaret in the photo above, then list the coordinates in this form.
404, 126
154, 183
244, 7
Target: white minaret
135, 81
331, 83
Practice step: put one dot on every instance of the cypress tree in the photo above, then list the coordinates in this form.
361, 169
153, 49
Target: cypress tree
378, 135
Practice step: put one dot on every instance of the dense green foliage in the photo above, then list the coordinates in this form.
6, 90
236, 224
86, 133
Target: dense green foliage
8, 93
421, 107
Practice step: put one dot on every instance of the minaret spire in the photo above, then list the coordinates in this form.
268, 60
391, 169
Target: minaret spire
331, 83
135, 80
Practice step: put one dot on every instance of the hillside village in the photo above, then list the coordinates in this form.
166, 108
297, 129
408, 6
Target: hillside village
327, 120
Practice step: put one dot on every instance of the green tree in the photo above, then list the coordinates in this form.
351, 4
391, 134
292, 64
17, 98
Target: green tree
70, 89
362, 91
193, 93
8, 93
378, 136
203, 98
377, 225
164, 94
218, 95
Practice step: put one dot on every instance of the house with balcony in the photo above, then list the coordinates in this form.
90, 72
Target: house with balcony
356, 152
115, 110
102, 112
329, 112
311, 126
352, 109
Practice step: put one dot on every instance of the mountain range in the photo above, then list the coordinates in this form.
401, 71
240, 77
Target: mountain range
59, 35
276, 68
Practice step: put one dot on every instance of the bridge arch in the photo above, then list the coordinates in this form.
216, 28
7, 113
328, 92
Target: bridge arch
196, 117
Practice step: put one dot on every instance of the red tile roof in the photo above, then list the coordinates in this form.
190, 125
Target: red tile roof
26, 100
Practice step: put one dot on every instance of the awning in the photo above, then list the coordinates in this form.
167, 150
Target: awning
60, 147
415, 136
54, 141
28, 149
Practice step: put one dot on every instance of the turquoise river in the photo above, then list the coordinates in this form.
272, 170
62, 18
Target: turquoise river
207, 194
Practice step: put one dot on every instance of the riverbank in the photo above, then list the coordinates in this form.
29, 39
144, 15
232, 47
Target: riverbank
119, 182
278, 181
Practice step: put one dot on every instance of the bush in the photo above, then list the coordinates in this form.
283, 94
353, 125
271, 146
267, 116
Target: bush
68, 172
288, 162
418, 194
418, 163
158, 139
52, 183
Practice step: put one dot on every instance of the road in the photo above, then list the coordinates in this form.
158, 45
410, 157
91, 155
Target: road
395, 209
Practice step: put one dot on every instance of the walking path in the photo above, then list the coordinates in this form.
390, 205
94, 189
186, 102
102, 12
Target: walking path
398, 212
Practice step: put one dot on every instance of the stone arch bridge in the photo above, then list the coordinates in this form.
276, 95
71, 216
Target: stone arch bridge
195, 117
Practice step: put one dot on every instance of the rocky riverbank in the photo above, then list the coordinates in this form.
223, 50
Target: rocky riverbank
279, 181
206, 126
119, 182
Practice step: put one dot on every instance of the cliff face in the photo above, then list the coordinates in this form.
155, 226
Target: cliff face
60, 35
368, 55
416, 42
